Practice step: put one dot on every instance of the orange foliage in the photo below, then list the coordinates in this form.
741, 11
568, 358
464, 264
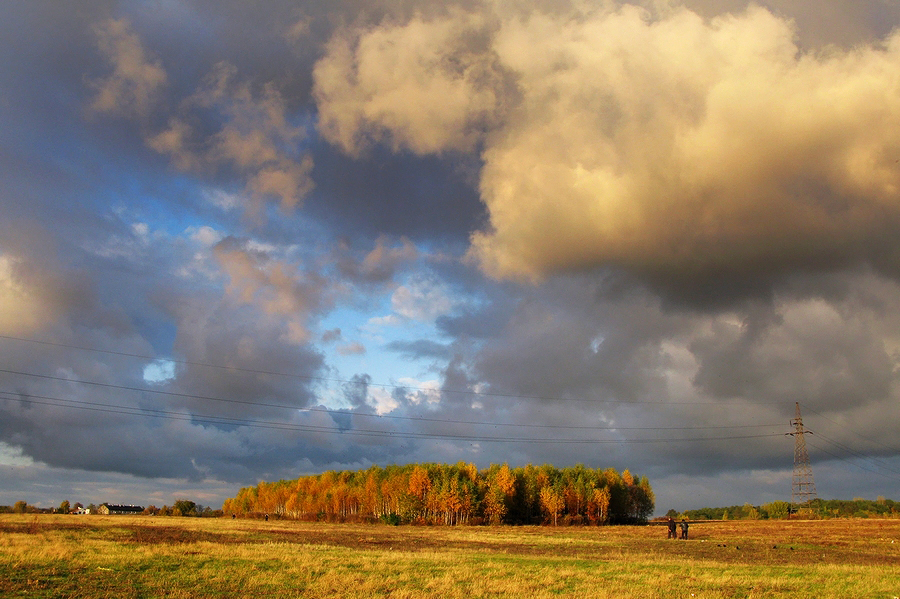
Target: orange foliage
454, 494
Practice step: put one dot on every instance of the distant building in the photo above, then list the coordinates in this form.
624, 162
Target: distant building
109, 509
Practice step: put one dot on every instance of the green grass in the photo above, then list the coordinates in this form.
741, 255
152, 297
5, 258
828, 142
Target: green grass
124, 556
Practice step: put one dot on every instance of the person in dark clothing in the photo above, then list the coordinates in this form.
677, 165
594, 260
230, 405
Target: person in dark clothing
672, 533
684, 529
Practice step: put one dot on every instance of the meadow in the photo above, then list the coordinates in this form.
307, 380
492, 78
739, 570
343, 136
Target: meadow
143, 556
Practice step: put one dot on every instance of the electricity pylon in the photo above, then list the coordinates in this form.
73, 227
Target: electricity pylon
803, 488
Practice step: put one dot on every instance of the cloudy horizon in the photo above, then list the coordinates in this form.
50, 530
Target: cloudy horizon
241, 245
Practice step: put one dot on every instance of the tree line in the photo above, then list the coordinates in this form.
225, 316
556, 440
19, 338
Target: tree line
181, 507
455, 494
817, 508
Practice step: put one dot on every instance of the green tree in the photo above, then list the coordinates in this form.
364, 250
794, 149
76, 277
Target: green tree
777, 509
750, 512
185, 507
19, 507
64, 507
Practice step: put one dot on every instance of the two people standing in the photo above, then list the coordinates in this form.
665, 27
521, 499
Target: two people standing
673, 530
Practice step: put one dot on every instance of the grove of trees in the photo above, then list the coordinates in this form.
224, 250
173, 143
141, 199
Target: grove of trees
818, 508
455, 494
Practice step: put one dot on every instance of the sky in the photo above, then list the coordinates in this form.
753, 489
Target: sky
244, 242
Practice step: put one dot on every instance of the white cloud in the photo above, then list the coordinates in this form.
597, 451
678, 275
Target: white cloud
204, 235
11, 456
422, 299
383, 401
222, 199
159, 371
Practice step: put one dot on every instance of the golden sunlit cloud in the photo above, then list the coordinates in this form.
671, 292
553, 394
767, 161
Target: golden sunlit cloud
655, 143
136, 79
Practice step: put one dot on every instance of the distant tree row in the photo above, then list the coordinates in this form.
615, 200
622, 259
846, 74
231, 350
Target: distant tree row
182, 507
455, 494
820, 508
22, 507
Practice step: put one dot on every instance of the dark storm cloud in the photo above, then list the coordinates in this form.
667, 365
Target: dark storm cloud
419, 197
639, 371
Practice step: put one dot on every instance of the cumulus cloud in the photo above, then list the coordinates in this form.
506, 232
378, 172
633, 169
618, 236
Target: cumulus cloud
273, 285
20, 313
256, 139
380, 264
131, 89
659, 143
422, 299
667, 374
37, 292
429, 85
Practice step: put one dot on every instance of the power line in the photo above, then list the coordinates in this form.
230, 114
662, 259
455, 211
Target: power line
136, 411
228, 421
369, 383
845, 427
362, 414
855, 464
852, 452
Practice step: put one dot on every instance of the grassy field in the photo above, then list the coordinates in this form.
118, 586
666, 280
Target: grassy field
124, 556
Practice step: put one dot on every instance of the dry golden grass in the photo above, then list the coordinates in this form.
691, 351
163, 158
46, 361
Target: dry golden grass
123, 556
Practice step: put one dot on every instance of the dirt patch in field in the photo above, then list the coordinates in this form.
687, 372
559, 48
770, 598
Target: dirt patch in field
171, 535
37, 525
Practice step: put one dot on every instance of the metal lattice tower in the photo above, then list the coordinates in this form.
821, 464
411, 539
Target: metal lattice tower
803, 488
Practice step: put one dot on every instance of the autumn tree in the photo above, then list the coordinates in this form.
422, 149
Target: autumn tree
455, 494
598, 506
419, 489
552, 502
501, 484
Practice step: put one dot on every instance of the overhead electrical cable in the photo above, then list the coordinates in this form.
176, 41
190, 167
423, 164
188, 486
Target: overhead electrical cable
847, 428
375, 384
854, 453
135, 411
362, 414
851, 462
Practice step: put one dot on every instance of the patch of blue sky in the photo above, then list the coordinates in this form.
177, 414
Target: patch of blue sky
160, 334
165, 205
363, 348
